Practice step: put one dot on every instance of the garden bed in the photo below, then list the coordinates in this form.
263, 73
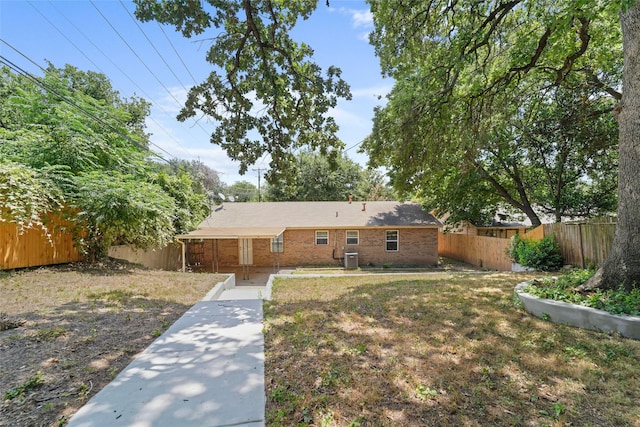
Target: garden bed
577, 315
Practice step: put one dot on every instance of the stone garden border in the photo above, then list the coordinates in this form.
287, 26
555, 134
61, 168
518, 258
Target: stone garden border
578, 315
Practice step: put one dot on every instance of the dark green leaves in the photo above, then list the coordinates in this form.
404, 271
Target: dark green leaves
265, 94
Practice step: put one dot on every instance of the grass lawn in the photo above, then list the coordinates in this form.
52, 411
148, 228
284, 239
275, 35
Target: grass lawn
448, 349
66, 331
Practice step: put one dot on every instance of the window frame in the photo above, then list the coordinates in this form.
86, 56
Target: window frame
347, 237
277, 243
326, 232
388, 241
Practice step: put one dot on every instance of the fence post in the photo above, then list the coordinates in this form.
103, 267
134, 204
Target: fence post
581, 245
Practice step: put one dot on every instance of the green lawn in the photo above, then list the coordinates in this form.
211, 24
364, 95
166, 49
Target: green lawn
444, 349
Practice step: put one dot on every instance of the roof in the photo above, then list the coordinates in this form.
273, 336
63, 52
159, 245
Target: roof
264, 219
233, 233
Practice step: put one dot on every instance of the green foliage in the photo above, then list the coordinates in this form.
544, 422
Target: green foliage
541, 254
122, 209
318, 179
191, 207
79, 150
243, 191
266, 94
31, 383
499, 102
205, 179
27, 194
563, 288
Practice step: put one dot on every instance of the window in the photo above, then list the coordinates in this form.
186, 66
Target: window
392, 241
277, 243
322, 238
353, 237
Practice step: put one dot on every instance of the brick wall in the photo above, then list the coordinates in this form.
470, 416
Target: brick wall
416, 247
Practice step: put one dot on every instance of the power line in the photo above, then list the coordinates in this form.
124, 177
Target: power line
22, 54
177, 54
71, 102
153, 46
140, 59
134, 52
353, 146
63, 35
142, 91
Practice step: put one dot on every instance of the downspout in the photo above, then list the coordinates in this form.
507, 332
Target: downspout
335, 248
184, 252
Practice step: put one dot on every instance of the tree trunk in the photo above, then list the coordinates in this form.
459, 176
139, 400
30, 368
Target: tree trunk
622, 267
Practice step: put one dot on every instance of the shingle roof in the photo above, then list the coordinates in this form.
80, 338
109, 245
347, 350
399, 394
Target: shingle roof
318, 214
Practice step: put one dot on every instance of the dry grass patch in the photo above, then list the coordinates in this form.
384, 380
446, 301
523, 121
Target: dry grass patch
71, 329
444, 349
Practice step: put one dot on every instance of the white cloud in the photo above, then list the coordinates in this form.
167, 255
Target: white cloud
361, 18
171, 102
372, 93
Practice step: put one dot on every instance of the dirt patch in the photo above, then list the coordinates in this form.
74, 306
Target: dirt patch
69, 330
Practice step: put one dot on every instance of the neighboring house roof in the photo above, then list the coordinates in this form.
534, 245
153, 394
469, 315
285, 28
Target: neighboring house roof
265, 219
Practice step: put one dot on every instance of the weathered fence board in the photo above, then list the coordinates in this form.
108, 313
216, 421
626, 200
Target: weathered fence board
534, 234
32, 248
582, 244
487, 252
167, 258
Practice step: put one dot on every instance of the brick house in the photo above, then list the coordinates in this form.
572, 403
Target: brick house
292, 234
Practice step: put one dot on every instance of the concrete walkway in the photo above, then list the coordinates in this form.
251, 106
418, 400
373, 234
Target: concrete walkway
206, 370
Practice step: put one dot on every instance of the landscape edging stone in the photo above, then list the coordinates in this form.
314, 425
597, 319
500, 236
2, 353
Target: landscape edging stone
578, 315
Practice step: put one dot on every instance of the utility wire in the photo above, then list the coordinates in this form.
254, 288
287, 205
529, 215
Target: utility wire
140, 59
142, 91
63, 35
135, 21
177, 54
71, 102
22, 54
153, 46
134, 52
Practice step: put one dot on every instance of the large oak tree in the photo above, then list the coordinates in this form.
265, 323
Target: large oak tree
499, 102
476, 63
264, 93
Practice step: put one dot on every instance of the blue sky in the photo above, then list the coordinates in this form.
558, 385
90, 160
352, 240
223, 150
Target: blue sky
102, 36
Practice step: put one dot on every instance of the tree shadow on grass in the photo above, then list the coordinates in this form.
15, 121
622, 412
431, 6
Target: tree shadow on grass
447, 352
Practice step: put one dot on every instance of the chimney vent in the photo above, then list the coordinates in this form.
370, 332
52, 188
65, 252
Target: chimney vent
350, 198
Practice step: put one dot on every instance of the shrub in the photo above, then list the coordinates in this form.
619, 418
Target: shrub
541, 254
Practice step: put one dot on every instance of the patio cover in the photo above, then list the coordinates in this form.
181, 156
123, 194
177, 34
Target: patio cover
233, 233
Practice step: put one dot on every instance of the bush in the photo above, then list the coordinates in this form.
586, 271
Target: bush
540, 255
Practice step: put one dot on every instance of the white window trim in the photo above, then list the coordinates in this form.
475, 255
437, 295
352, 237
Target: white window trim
279, 242
387, 241
357, 237
322, 231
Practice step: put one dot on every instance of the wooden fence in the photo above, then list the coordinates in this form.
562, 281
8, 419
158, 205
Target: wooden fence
582, 244
32, 248
487, 252
167, 258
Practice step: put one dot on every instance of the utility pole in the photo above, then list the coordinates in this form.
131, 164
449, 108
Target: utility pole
259, 170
